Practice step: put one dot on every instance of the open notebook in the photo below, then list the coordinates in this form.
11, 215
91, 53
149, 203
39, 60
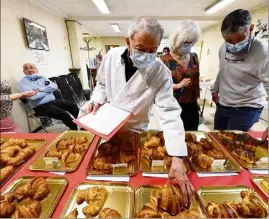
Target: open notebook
106, 122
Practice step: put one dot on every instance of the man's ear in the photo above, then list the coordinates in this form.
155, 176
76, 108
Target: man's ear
251, 27
127, 40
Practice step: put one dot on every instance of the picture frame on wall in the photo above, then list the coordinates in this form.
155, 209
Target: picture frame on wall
261, 29
36, 35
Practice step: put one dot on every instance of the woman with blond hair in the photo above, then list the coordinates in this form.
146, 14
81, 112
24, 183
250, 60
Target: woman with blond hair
184, 66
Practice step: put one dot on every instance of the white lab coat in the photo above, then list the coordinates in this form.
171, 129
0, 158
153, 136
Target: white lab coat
146, 87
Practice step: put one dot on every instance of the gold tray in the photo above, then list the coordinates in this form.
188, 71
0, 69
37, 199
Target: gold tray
37, 143
219, 194
56, 185
261, 152
40, 165
120, 198
144, 166
142, 196
257, 181
230, 165
120, 172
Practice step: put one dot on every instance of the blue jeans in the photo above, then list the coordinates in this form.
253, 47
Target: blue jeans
242, 118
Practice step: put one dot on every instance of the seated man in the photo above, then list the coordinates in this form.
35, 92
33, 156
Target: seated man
44, 102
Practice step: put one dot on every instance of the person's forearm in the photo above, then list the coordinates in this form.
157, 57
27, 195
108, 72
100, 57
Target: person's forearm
176, 86
16, 96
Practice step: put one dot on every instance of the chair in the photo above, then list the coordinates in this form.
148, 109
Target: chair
86, 92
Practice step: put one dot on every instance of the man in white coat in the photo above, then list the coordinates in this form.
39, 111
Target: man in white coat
133, 79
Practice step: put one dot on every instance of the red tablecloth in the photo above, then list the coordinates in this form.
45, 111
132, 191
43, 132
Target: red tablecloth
80, 175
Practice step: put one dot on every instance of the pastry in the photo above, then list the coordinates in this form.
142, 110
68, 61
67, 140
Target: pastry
5, 173
109, 213
69, 159
30, 210
152, 142
161, 137
54, 153
150, 209
80, 148
202, 160
62, 145
194, 148
77, 140
72, 214
190, 137
216, 154
247, 156
102, 163
93, 193
6, 206
206, 144
222, 210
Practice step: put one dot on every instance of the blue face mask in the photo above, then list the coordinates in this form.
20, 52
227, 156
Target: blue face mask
185, 48
142, 59
238, 47
32, 77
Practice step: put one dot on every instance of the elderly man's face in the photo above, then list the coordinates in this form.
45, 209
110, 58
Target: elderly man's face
29, 69
143, 43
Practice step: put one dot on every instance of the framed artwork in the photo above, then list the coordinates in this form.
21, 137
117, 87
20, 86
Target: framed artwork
261, 29
108, 47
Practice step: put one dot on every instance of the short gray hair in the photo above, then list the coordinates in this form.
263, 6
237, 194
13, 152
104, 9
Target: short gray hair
186, 30
145, 24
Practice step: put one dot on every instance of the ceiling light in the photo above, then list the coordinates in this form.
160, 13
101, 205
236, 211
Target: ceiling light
115, 27
102, 6
217, 6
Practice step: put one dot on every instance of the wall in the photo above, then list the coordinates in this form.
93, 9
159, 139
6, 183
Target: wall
212, 40
15, 51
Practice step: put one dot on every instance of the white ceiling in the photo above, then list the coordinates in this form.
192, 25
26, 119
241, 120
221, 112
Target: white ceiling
168, 12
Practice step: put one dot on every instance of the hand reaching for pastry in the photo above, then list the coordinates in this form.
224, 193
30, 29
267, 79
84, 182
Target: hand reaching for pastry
178, 173
93, 107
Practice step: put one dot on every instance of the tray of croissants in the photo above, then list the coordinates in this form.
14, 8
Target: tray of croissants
262, 183
153, 155
205, 155
14, 152
65, 153
32, 197
232, 202
165, 202
102, 200
117, 157
251, 153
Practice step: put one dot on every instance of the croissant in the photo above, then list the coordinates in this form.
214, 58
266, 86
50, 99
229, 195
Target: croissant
54, 153
102, 163
191, 213
20, 142
5, 173
193, 148
11, 151
109, 213
223, 210
152, 142
79, 148
93, 193
72, 214
264, 185
190, 137
244, 155
24, 191
93, 208
161, 137
105, 149
252, 206
206, 144
29, 210
21, 157
40, 187
78, 140
149, 210
216, 154
126, 157
69, 159
62, 145
202, 160
6, 206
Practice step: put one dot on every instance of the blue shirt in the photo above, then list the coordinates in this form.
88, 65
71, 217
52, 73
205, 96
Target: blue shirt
46, 87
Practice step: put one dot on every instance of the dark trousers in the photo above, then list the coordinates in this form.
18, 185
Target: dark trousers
190, 116
58, 109
242, 118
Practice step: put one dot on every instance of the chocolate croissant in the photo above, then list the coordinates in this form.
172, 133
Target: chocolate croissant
109, 213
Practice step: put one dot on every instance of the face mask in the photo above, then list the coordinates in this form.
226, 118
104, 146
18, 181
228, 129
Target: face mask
237, 47
32, 77
142, 59
185, 49
165, 53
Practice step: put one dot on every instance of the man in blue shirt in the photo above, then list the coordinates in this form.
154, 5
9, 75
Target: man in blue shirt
44, 102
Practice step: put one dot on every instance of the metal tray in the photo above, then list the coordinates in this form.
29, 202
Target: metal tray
133, 167
257, 181
261, 152
40, 165
37, 143
57, 187
144, 165
120, 198
229, 166
142, 196
219, 194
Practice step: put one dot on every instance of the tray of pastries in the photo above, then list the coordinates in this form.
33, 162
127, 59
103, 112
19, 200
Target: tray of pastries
118, 156
232, 202
14, 152
65, 153
165, 202
205, 155
250, 152
262, 183
32, 197
153, 155
100, 199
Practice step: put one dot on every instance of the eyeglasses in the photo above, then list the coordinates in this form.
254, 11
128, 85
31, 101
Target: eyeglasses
233, 60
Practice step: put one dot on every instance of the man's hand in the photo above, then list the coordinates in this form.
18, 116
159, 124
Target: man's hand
28, 93
265, 135
178, 173
215, 97
93, 107
184, 83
